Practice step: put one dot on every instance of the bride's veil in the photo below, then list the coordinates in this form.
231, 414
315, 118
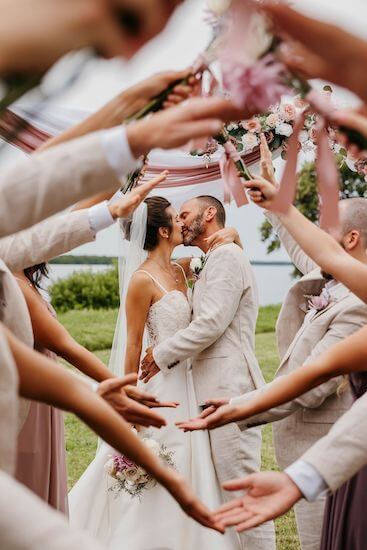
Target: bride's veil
131, 256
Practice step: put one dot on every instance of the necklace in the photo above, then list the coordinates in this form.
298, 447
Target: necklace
165, 269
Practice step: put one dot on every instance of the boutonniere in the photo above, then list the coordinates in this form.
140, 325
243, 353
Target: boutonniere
319, 302
196, 267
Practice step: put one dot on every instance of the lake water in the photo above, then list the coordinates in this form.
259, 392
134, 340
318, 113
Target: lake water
273, 281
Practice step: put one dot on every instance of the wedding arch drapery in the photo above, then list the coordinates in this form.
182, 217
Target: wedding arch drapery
27, 128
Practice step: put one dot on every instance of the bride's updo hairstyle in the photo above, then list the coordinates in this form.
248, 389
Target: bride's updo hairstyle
157, 216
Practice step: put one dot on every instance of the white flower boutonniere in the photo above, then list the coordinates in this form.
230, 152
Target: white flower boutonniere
196, 267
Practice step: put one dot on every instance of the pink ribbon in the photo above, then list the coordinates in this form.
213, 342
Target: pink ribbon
327, 172
231, 180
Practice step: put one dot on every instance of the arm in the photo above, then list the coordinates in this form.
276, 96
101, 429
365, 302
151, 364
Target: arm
43, 526
138, 301
61, 234
316, 243
126, 103
50, 334
46, 381
224, 236
349, 355
346, 323
224, 282
319, 49
302, 262
52, 180
343, 451
46, 240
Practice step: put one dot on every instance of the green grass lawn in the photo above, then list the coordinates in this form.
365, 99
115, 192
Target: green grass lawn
92, 327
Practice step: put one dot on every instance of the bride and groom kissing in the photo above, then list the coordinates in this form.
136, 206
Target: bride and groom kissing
201, 347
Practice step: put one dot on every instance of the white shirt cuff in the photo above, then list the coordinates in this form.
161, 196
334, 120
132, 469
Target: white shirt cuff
118, 152
100, 217
308, 480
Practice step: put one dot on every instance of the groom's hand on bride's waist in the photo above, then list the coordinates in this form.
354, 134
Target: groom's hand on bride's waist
148, 367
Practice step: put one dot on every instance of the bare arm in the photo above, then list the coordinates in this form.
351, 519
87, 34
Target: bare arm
51, 334
138, 300
44, 380
316, 243
125, 104
349, 355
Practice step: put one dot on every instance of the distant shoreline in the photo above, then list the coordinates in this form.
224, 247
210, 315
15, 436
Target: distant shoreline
70, 259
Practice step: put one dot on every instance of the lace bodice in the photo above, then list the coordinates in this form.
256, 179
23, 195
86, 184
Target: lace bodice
170, 314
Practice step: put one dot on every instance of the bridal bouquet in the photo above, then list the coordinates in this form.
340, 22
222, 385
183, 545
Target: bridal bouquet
130, 477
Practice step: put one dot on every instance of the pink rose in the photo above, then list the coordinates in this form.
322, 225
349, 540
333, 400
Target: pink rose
318, 302
256, 87
252, 125
272, 120
288, 112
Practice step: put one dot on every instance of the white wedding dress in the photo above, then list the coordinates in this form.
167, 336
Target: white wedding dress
156, 522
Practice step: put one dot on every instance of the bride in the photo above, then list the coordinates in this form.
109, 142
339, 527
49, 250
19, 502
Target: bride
156, 301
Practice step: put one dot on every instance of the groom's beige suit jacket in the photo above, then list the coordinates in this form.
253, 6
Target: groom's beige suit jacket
309, 417
220, 337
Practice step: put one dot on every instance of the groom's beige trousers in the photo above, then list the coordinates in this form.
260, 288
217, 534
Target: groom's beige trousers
237, 454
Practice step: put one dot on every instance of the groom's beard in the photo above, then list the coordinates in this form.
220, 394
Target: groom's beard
194, 231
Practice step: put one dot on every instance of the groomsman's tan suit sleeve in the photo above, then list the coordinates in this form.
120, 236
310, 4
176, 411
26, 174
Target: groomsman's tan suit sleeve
8, 408
219, 302
46, 240
347, 323
302, 262
343, 451
27, 523
49, 181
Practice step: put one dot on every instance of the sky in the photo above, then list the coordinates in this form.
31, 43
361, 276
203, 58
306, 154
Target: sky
184, 38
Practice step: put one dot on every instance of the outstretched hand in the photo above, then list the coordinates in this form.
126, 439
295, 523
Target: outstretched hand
124, 207
115, 392
218, 413
266, 162
148, 366
268, 495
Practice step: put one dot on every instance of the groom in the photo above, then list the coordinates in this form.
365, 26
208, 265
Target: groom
220, 343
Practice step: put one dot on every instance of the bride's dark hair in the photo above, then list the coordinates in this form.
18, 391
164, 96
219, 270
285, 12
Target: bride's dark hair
157, 216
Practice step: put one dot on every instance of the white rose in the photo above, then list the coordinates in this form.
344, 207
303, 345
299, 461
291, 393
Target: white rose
218, 7
303, 136
250, 141
152, 445
231, 126
195, 265
284, 129
131, 474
